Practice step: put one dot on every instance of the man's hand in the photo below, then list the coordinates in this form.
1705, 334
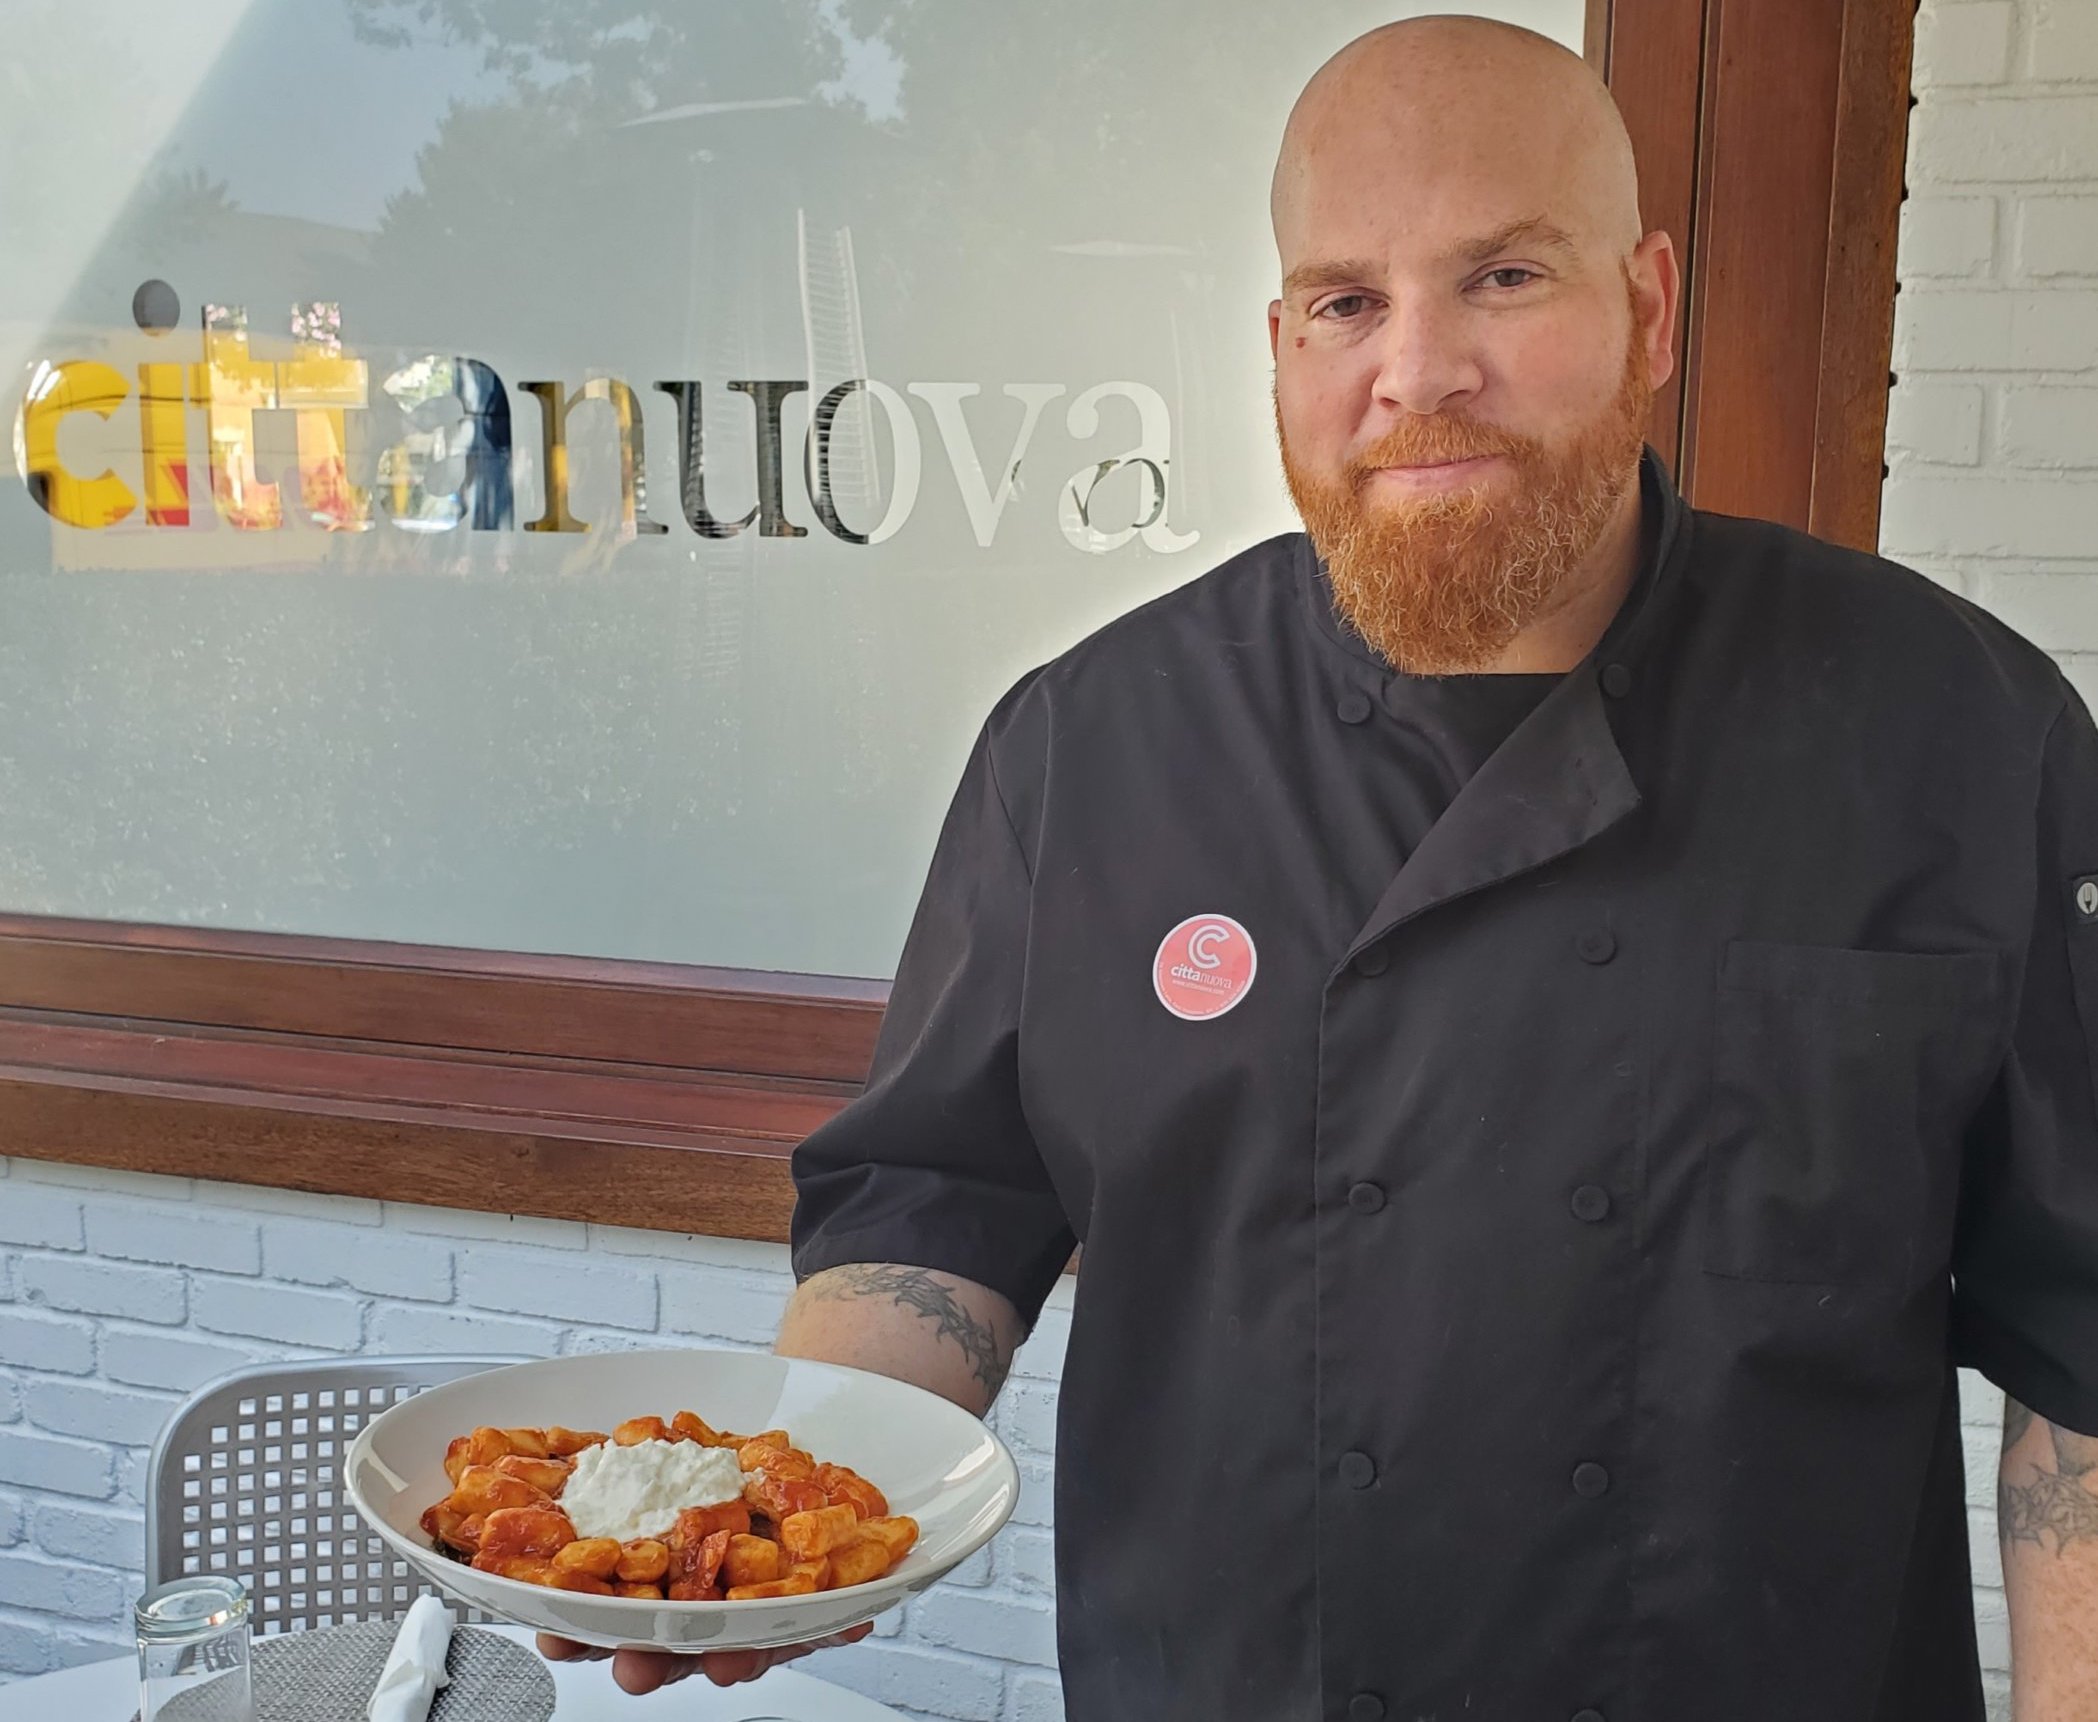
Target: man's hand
639, 1671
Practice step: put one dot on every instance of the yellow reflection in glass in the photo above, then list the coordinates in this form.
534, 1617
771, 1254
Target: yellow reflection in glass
74, 385
232, 388
554, 408
163, 439
318, 383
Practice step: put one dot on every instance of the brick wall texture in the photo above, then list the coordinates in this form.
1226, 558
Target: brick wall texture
119, 1293
1992, 437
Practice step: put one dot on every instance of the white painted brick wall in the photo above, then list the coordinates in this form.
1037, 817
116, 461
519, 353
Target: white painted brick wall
119, 1294
1992, 434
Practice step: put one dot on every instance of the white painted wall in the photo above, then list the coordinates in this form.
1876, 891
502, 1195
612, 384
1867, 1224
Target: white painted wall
1993, 429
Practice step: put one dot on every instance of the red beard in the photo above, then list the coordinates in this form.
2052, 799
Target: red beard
1444, 583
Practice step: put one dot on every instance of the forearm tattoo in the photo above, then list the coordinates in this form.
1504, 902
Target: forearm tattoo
920, 1291
2059, 1496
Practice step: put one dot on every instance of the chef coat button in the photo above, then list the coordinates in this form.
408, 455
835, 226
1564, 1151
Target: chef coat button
1373, 961
1587, 1716
1595, 944
1365, 1707
1353, 707
1617, 680
1591, 1202
1357, 1470
1366, 1198
1590, 1479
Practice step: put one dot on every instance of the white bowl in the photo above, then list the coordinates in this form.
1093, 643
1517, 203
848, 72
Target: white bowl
933, 1460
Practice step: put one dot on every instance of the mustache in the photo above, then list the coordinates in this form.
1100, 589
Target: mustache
1445, 437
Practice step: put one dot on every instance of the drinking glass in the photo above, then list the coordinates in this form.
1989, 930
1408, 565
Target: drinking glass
193, 1651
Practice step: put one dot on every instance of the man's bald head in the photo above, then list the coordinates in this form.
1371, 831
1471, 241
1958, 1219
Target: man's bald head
1423, 98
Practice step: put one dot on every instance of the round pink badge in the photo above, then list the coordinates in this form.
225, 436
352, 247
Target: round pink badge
1204, 967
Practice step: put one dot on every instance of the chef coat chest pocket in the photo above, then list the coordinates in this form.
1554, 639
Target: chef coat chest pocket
1840, 1083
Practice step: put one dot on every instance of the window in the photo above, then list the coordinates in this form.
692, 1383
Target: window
520, 510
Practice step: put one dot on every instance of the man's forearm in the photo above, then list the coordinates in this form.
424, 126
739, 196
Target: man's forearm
2047, 1519
946, 1334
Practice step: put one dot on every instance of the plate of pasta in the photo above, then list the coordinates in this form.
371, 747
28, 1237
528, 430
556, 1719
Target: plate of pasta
682, 1500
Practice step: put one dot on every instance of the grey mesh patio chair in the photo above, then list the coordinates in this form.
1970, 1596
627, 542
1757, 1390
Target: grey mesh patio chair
247, 1480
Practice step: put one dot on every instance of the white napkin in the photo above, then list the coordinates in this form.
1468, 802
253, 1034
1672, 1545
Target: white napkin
415, 1666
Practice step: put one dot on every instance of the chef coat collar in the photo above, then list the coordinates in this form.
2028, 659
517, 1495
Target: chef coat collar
1559, 780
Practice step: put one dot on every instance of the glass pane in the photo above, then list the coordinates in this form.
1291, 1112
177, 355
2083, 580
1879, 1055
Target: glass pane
363, 575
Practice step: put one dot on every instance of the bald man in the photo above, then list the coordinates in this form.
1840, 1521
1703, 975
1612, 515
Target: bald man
1558, 1020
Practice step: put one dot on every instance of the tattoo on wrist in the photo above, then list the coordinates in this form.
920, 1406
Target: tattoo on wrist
920, 1291
2058, 1497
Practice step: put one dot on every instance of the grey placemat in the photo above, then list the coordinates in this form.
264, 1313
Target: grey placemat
328, 1676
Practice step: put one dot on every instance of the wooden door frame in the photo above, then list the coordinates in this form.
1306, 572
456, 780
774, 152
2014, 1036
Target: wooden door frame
1770, 137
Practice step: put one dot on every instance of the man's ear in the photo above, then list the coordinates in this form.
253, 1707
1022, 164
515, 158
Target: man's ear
1661, 290
1274, 326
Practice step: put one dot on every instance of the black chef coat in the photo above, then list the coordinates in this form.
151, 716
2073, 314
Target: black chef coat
1537, 1296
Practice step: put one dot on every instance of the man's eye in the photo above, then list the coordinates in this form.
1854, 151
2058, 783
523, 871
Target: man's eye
1344, 299
1526, 274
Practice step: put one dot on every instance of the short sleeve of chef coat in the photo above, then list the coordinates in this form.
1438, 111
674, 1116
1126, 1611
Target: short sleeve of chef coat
2025, 1269
932, 1164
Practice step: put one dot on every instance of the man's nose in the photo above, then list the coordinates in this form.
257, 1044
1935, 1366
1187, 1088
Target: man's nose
1424, 360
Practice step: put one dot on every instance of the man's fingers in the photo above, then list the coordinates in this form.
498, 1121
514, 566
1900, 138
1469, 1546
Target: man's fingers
639, 1671
642, 1671
567, 1650
727, 1667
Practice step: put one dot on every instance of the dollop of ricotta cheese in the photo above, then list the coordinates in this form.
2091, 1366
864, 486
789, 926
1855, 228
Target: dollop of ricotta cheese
638, 1491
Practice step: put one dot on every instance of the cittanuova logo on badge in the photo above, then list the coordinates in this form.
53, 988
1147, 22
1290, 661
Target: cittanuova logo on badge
2084, 891
1204, 967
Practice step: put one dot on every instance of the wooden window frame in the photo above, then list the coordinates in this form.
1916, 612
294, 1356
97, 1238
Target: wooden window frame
1770, 136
